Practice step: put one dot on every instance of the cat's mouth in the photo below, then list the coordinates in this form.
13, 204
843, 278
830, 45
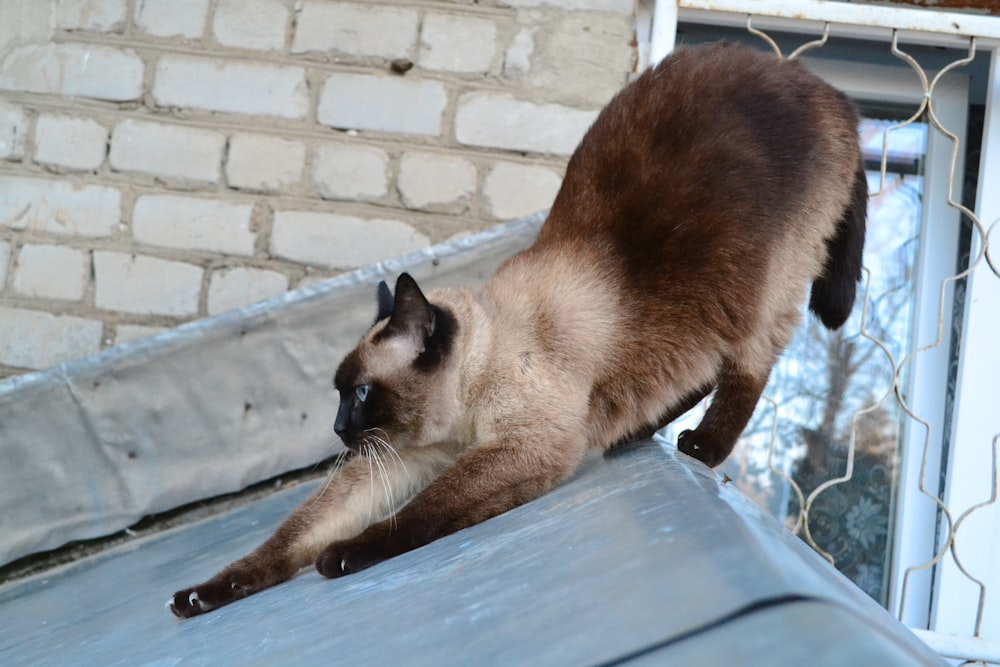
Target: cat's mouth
352, 443
371, 441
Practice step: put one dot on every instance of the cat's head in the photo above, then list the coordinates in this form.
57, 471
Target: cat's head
393, 384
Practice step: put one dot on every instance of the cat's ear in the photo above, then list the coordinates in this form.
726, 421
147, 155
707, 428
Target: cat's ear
412, 314
385, 302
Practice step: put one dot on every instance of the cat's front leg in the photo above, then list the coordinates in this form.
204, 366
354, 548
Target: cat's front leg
727, 415
237, 580
363, 491
483, 483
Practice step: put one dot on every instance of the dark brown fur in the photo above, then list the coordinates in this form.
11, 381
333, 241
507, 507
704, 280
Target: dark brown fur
706, 199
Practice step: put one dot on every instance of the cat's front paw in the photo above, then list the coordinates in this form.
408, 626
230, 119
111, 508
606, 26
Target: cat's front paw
355, 554
703, 446
216, 592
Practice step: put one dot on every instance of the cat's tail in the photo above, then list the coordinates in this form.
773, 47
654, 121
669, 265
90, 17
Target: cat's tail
834, 291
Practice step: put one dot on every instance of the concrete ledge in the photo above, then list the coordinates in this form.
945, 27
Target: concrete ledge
93, 445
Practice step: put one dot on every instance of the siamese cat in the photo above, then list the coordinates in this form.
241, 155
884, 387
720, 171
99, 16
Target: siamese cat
705, 201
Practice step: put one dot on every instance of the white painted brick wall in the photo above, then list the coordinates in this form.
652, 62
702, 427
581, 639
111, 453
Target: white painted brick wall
517, 59
434, 182
515, 190
498, 120
126, 333
74, 143
4, 262
191, 223
620, 6
51, 272
102, 15
175, 152
264, 163
171, 18
235, 288
340, 241
251, 24
583, 46
146, 285
355, 29
13, 127
83, 70
59, 207
457, 43
344, 171
234, 87
384, 103
32, 339
349, 131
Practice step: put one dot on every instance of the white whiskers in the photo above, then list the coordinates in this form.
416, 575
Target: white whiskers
338, 463
376, 447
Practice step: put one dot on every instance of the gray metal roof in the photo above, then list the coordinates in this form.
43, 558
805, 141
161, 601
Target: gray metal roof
645, 557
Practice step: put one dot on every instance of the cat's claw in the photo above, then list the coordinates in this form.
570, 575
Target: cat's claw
212, 594
353, 555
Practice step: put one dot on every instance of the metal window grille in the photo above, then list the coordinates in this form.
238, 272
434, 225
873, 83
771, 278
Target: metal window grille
929, 335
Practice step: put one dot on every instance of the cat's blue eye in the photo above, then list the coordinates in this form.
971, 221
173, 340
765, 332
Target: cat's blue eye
361, 391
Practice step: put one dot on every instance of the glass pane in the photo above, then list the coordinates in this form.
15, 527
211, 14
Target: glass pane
830, 384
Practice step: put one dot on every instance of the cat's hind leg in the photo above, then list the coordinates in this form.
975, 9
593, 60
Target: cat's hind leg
365, 490
674, 412
727, 415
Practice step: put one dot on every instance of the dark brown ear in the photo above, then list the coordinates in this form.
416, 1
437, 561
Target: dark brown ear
385, 302
412, 314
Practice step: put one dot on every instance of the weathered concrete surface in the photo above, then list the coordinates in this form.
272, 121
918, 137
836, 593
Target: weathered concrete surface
93, 445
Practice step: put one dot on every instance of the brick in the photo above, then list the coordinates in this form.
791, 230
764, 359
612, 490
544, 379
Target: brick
344, 171
190, 223
74, 143
583, 58
331, 240
382, 103
74, 70
33, 339
4, 262
355, 29
51, 272
498, 120
146, 285
126, 333
171, 18
101, 15
517, 59
260, 162
235, 288
457, 43
13, 128
251, 24
619, 6
515, 190
436, 182
232, 87
169, 151
59, 207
